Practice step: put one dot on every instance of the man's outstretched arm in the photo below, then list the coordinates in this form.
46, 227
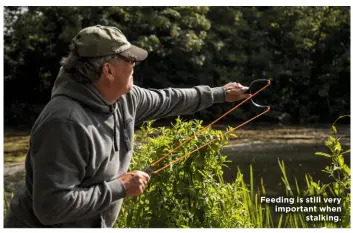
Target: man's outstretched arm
155, 104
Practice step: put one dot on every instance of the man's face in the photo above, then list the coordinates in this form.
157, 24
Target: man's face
122, 70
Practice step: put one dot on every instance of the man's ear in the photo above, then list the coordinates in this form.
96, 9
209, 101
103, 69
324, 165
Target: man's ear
107, 71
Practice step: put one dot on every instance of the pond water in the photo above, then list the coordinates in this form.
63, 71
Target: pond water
299, 159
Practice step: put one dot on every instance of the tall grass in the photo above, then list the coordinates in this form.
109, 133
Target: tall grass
261, 215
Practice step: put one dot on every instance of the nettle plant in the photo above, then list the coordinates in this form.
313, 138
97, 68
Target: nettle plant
340, 173
340, 186
191, 193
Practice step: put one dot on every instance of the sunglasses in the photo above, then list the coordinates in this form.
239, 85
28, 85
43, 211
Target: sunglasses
128, 60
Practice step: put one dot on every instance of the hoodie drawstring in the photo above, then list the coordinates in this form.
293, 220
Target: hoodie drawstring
115, 138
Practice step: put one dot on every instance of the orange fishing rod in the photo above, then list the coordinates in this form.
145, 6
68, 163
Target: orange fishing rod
149, 169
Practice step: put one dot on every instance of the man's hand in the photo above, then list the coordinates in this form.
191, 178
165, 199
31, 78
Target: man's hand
235, 92
134, 182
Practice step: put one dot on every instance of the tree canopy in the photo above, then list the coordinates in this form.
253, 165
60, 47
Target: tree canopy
304, 51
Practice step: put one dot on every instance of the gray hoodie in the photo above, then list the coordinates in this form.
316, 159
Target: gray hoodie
80, 145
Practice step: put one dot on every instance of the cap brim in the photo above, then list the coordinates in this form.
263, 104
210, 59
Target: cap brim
135, 52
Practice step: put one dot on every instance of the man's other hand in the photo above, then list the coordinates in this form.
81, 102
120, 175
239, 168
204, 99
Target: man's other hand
134, 182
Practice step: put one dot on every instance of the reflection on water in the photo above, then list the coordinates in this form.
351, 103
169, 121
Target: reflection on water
299, 159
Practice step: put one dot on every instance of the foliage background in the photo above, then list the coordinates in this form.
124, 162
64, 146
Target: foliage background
305, 51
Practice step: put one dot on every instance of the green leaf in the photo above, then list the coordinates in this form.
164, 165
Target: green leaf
274, 25
314, 184
334, 129
340, 118
328, 144
323, 154
346, 169
338, 147
323, 188
347, 151
336, 188
340, 160
332, 139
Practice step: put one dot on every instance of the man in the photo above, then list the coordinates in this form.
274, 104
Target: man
81, 144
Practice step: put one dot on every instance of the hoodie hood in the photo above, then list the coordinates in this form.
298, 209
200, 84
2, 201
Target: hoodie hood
85, 94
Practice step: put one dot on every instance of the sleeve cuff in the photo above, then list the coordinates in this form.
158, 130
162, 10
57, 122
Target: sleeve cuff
219, 94
117, 188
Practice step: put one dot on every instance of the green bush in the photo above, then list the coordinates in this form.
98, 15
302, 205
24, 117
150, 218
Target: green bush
189, 194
